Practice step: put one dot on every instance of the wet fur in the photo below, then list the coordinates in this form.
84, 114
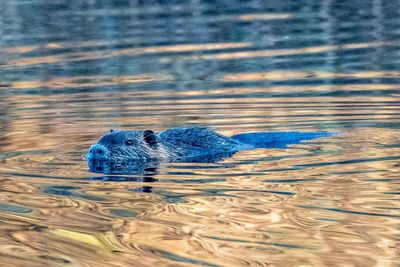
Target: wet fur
187, 144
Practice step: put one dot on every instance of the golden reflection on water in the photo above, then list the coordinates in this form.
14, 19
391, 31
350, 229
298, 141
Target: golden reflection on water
285, 52
265, 16
93, 81
281, 206
89, 81
284, 75
327, 202
91, 55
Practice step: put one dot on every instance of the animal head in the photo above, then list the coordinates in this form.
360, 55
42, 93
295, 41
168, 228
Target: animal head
128, 145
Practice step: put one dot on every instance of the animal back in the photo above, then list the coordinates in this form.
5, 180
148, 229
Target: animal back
193, 142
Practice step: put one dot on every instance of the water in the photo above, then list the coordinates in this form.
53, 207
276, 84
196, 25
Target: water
71, 70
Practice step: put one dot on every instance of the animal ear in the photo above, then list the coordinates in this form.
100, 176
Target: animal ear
149, 137
114, 130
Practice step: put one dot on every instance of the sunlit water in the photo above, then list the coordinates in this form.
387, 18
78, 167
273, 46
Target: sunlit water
71, 70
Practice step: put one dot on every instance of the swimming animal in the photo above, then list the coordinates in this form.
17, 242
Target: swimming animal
186, 144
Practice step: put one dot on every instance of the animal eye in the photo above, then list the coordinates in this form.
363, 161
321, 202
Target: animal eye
129, 142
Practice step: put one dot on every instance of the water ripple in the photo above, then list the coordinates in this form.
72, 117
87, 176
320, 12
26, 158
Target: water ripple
72, 70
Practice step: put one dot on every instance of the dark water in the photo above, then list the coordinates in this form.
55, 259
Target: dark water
71, 70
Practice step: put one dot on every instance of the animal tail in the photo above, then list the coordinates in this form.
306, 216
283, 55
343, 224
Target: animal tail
277, 139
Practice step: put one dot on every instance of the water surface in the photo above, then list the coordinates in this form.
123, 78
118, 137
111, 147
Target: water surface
71, 70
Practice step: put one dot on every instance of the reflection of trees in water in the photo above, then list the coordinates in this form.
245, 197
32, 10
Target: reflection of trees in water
5, 124
68, 27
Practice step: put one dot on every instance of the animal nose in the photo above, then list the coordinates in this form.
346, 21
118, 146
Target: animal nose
97, 152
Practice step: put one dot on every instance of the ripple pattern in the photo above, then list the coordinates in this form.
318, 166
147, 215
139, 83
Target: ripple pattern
71, 70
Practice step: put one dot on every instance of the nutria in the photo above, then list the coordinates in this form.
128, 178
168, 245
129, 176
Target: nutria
187, 144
